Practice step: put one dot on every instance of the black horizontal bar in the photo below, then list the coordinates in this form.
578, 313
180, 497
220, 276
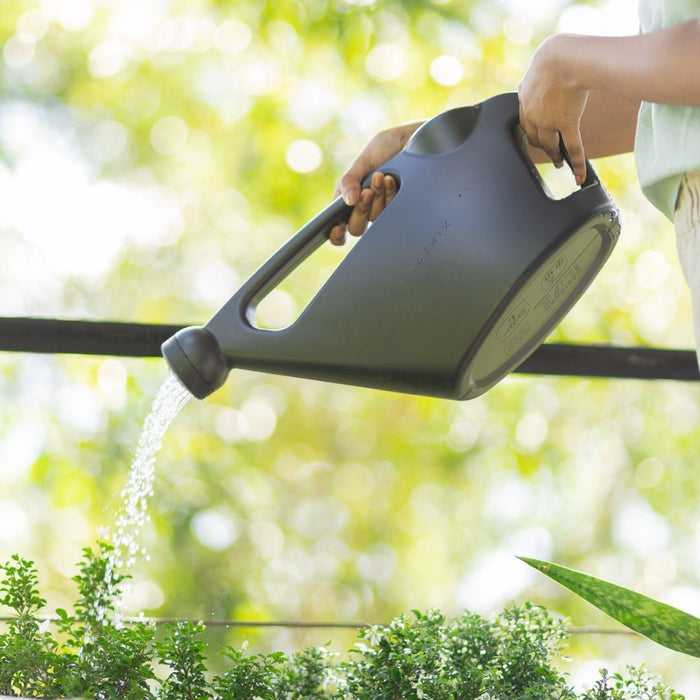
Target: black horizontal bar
56, 336
47, 335
612, 362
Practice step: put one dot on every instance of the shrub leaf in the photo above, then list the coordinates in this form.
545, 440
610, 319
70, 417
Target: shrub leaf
658, 621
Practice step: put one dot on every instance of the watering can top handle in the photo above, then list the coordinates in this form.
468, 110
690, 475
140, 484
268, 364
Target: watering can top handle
505, 108
454, 129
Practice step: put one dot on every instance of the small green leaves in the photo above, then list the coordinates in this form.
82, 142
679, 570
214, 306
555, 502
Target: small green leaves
659, 622
27, 653
18, 589
183, 653
511, 657
637, 685
98, 585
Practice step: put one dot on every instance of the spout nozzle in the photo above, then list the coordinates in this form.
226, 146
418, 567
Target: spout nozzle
195, 357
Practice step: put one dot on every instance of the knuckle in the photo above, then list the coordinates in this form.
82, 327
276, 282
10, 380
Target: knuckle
345, 182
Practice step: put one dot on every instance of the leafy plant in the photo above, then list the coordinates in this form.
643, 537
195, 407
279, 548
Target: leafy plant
432, 658
658, 621
28, 654
183, 652
249, 676
511, 657
639, 685
96, 657
308, 674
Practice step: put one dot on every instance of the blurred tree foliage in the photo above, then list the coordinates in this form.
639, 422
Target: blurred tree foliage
151, 156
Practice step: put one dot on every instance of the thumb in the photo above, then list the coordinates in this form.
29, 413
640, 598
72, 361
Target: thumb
350, 182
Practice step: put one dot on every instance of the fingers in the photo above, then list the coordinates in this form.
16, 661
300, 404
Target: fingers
348, 186
360, 215
528, 127
549, 141
544, 138
337, 235
371, 203
378, 151
549, 138
574, 147
391, 189
378, 195
358, 220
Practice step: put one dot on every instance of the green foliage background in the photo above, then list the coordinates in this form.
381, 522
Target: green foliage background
145, 171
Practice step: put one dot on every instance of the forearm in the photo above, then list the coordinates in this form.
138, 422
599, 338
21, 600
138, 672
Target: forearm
609, 124
568, 71
661, 66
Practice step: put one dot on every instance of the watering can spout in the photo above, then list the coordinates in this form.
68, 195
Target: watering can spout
195, 357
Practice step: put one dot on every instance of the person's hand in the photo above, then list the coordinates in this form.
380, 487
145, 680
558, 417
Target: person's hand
551, 104
369, 202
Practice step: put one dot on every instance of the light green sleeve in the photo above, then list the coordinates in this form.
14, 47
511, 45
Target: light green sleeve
667, 142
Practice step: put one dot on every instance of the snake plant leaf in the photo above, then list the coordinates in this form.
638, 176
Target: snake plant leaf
658, 621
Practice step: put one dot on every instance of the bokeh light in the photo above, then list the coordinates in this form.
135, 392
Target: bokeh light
304, 156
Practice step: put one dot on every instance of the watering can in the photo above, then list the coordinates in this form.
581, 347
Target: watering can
458, 280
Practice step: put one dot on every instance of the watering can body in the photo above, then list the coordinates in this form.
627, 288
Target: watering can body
457, 282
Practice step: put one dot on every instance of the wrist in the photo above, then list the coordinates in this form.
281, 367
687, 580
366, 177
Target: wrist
405, 131
571, 55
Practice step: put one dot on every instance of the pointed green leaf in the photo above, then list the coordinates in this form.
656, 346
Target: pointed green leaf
659, 622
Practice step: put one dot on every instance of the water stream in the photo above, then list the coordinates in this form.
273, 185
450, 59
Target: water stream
132, 515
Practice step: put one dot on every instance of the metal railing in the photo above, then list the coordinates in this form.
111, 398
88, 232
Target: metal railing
56, 336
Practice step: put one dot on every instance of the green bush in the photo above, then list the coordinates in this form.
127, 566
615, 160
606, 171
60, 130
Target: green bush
424, 656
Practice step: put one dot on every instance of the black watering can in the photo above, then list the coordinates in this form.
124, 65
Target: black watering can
458, 280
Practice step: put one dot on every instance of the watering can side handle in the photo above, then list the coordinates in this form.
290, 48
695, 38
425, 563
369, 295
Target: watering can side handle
302, 244
592, 179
